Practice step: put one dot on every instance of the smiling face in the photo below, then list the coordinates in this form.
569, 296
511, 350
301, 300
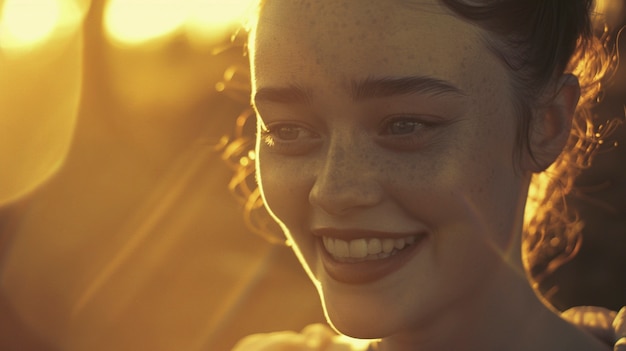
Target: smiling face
386, 135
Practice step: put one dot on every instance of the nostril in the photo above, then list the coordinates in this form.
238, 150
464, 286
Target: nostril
341, 196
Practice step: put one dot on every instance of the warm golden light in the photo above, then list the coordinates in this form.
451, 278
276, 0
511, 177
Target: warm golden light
608, 12
536, 191
133, 22
41, 65
137, 21
24, 24
27, 23
211, 13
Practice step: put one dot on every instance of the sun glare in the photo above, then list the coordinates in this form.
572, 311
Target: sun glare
212, 13
26, 23
133, 22
137, 21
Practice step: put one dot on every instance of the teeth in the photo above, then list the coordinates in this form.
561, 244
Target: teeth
342, 249
358, 248
372, 248
388, 245
400, 244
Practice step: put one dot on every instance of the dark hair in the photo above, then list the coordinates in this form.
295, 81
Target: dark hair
538, 40
534, 38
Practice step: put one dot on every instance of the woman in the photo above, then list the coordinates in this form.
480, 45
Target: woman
396, 145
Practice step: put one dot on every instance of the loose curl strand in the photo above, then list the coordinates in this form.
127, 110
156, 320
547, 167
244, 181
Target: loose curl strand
552, 229
237, 150
538, 44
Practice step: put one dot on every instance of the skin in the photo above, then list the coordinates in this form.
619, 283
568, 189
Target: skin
440, 164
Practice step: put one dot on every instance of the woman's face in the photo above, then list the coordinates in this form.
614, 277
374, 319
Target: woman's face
386, 135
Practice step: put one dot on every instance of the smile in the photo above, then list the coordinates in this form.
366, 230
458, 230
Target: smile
365, 249
358, 256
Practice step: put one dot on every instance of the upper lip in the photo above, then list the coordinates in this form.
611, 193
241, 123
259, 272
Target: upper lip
354, 233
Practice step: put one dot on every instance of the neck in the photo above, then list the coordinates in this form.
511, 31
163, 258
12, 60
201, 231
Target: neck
506, 314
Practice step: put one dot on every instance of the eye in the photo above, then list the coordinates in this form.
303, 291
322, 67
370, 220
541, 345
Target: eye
403, 126
290, 132
289, 138
406, 133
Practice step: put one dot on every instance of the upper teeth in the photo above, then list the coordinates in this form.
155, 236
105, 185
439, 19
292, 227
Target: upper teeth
362, 248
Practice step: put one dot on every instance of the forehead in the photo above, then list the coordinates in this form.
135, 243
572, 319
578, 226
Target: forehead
354, 39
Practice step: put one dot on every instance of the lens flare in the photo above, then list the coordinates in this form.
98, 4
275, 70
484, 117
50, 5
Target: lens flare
133, 22
212, 13
25, 24
137, 21
41, 65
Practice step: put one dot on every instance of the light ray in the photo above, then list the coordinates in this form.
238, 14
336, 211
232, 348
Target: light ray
147, 220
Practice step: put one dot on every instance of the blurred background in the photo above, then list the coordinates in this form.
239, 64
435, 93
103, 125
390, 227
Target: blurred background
117, 227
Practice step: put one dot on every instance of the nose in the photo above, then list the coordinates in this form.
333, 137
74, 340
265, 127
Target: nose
346, 180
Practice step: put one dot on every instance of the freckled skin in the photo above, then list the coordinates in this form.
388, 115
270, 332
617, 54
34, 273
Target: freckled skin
437, 186
459, 183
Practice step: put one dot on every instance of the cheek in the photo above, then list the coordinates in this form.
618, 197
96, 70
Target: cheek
284, 188
469, 186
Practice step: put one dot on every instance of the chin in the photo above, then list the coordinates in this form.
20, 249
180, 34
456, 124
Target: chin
364, 328
359, 318
359, 329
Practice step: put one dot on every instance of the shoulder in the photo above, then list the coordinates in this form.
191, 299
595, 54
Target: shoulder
314, 337
606, 325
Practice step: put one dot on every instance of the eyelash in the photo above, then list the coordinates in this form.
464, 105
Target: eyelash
303, 141
411, 140
303, 138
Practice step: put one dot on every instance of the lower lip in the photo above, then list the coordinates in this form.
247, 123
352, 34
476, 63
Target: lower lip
364, 272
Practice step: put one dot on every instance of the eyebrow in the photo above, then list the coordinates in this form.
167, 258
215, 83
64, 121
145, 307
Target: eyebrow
292, 94
369, 88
